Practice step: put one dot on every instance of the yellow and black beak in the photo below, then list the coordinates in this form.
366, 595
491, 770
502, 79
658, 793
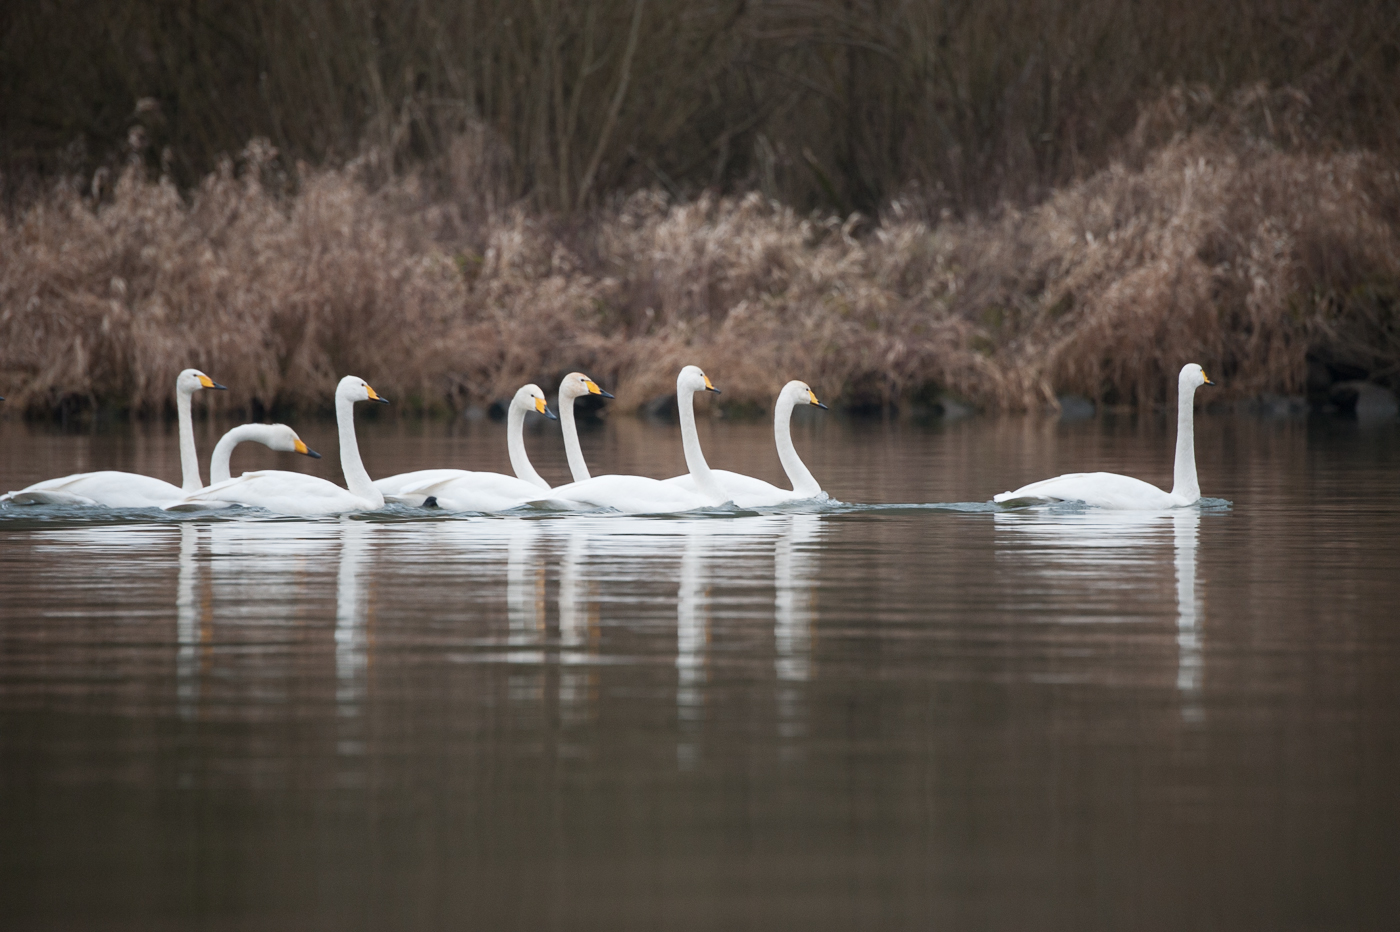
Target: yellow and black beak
710, 387
593, 389
1205, 378
812, 399
375, 396
543, 408
206, 382
304, 450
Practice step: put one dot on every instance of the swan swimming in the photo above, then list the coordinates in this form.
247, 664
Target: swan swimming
278, 437
116, 489
748, 492
293, 493
468, 490
1110, 490
642, 495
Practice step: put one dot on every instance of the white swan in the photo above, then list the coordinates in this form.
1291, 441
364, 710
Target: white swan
292, 493
748, 492
467, 490
575, 385
127, 489
641, 495
1110, 490
278, 437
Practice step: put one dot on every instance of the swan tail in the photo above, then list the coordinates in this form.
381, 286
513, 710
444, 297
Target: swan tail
47, 497
1020, 498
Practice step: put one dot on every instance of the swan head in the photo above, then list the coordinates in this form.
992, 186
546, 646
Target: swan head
800, 393
282, 438
576, 385
1193, 377
192, 380
530, 398
692, 379
353, 388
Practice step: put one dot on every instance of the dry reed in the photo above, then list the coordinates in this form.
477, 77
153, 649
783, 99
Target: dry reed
1249, 258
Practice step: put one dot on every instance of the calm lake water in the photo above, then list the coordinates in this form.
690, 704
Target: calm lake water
867, 718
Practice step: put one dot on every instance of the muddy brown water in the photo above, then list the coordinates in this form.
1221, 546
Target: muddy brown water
860, 718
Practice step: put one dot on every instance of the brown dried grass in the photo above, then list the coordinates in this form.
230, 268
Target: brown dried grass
1238, 255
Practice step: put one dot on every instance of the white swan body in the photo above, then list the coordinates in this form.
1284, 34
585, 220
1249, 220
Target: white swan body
642, 495
1110, 490
116, 489
468, 490
292, 493
748, 492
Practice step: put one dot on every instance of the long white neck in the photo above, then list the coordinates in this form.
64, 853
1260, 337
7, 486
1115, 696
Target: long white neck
189, 463
1184, 483
798, 474
577, 467
223, 450
356, 479
515, 442
690, 440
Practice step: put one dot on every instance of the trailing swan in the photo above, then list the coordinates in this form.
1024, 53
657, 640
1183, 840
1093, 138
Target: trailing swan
1110, 490
748, 492
278, 437
642, 495
468, 490
292, 493
126, 489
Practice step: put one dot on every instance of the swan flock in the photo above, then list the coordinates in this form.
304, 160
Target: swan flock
461, 490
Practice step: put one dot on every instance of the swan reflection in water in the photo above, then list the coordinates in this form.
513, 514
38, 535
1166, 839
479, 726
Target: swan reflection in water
245, 577
692, 639
192, 624
1112, 547
794, 609
578, 627
352, 617
1186, 526
525, 608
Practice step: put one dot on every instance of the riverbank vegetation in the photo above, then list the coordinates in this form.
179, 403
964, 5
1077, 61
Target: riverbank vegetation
901, 203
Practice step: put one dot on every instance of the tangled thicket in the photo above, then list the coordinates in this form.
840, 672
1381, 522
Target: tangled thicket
1248, 257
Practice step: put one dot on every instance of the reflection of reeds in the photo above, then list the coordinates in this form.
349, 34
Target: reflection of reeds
1242, 256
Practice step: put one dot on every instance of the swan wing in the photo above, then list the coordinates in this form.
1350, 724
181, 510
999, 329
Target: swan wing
286, 493
744, 491
396, 485
1099, 489
109, 487
485, 492
631, 494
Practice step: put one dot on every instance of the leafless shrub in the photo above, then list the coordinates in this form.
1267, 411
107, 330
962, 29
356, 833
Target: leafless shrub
1214, 247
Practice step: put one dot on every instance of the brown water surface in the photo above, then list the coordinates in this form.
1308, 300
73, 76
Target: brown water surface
875, 718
